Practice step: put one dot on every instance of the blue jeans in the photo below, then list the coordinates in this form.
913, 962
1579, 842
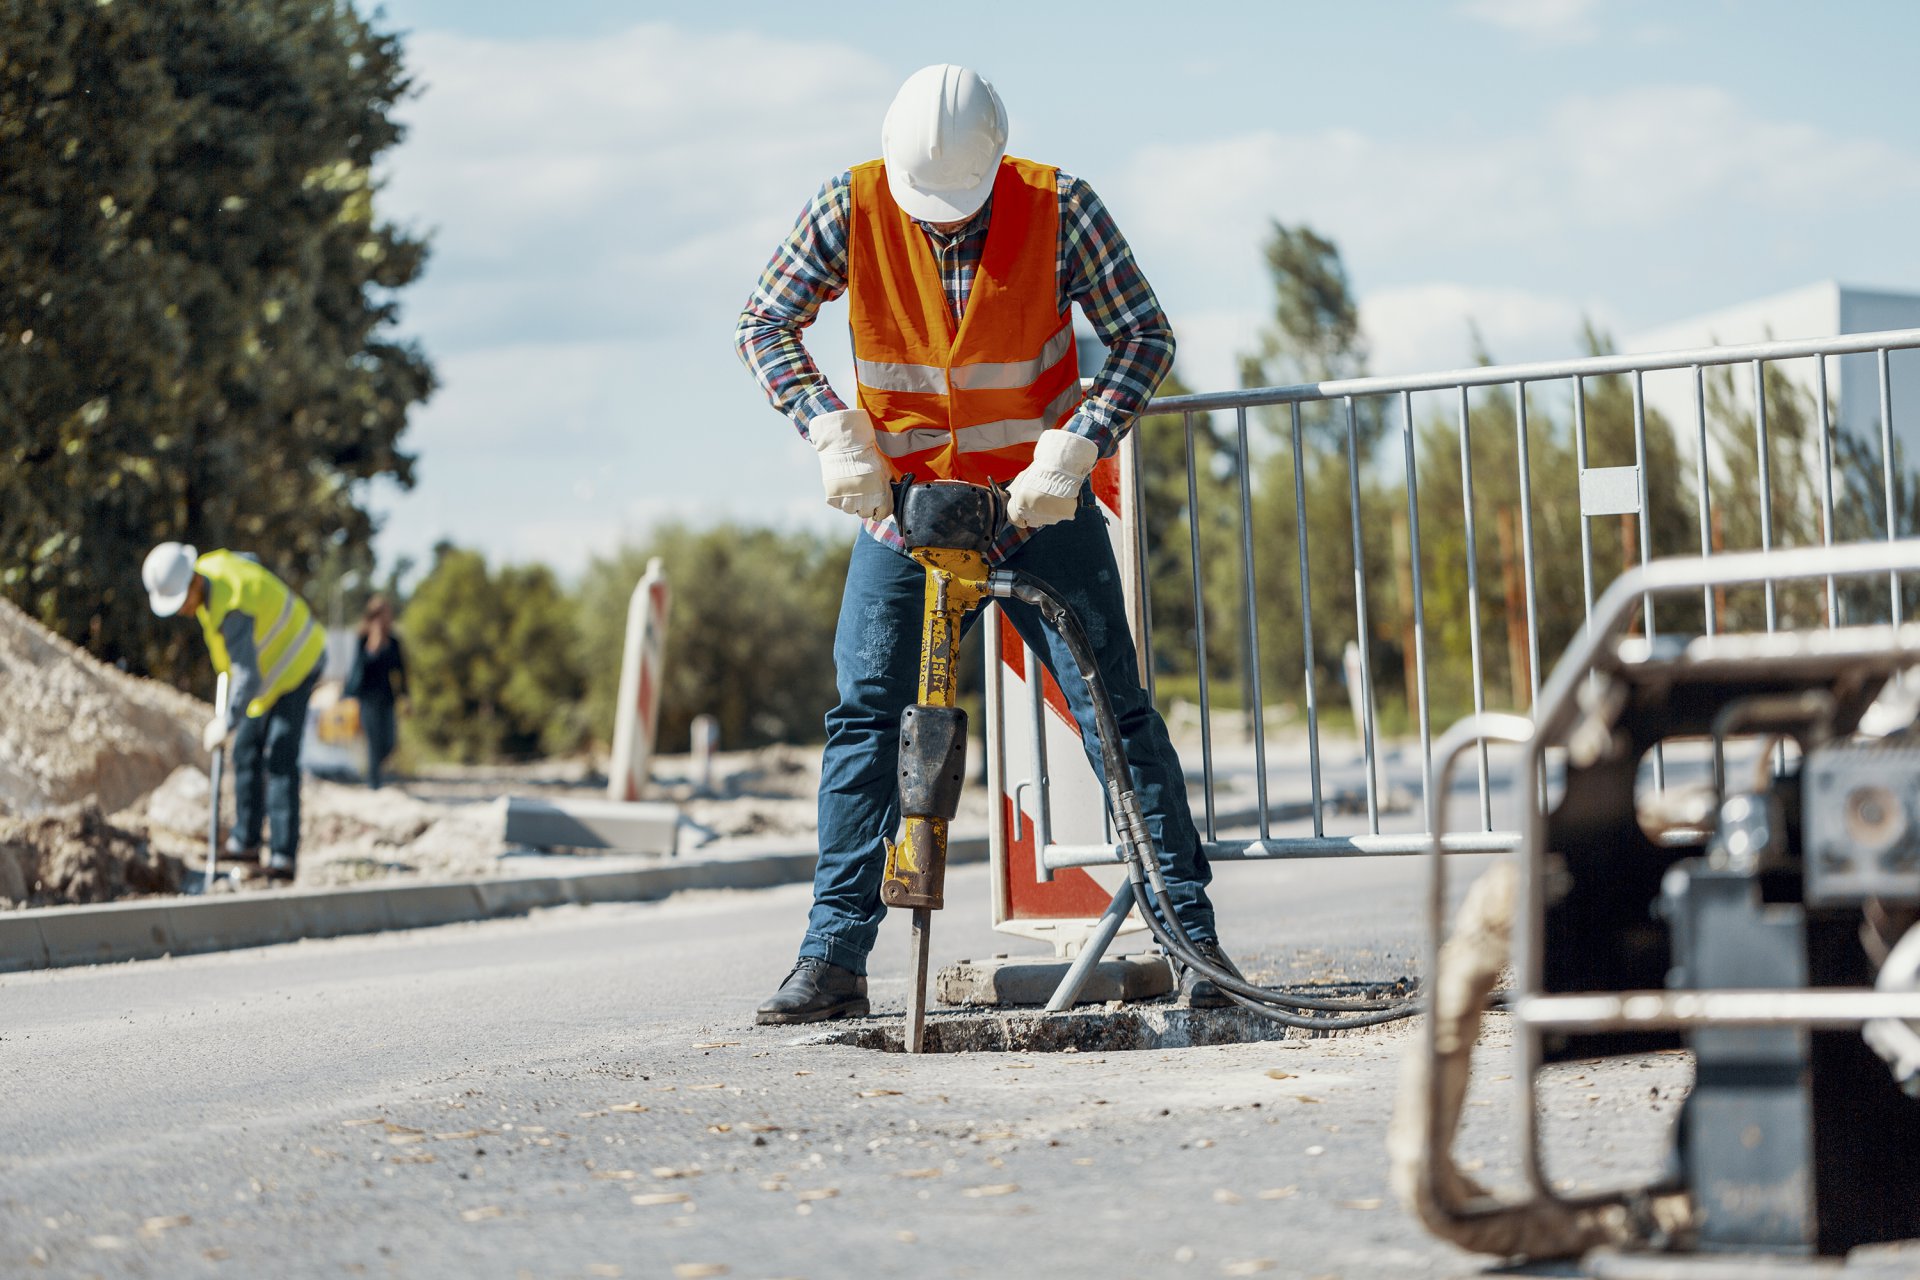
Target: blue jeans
266, 771
377, 722
876, 654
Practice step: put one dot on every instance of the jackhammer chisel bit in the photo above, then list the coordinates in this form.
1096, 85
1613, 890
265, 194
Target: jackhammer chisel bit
917, 992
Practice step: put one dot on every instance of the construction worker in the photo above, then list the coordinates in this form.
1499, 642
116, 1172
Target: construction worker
960, 265
265, 638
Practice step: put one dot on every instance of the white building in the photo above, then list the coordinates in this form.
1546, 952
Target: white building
1823, 310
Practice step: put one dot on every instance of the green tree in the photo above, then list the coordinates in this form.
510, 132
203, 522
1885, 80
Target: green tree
1862, 474
491, 660
1313, 335
456, 664
1163, 444
545, 686
1860, 515
749, 636
196, 298
1558, 587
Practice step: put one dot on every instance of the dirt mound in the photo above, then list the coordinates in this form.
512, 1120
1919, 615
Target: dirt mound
74, 730
79, 856
347, 833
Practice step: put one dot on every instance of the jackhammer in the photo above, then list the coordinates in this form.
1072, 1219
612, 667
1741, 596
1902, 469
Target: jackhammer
948, 527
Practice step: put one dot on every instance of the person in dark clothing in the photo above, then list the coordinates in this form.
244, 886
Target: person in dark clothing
379, 681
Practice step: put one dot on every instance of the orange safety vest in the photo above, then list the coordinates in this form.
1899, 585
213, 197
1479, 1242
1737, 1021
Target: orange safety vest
962, 401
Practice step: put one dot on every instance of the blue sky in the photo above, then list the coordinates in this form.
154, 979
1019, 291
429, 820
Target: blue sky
604, 181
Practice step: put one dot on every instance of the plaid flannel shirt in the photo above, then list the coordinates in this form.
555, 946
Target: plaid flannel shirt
1095, 268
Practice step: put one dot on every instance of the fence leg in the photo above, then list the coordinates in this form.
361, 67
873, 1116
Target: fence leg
1095, 948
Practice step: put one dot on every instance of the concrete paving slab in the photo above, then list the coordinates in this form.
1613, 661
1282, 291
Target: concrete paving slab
517, 897
108, 932
419, 906
213, 924
332, 913
53, 937
1029, 980
631, 826
21, 946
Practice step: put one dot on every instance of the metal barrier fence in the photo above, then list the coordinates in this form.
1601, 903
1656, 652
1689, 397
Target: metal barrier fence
1626, 492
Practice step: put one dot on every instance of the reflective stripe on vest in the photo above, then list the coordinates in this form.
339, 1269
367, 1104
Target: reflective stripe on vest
961, 398
985, 376
293, 651
981, 437
279, 625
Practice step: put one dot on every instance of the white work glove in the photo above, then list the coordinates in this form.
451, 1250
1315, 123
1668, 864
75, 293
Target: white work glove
216, 735
851, 468
1048, 491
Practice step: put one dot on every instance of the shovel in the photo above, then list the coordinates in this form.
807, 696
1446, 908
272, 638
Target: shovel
213, 810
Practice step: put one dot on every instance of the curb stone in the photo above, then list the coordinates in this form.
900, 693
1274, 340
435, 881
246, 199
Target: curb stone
149, 928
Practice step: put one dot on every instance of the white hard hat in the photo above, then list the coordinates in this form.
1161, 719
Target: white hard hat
942, 140
168, 574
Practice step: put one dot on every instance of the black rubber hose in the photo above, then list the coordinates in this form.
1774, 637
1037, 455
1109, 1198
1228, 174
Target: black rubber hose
1348, 1018
1143, 858
1296, 1011
1122, 802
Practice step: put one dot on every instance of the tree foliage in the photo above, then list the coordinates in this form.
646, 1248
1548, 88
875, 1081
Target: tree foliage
196, 298
1314, 332
492, 660
1298, 472
1164, 444
1302, 468
749, 637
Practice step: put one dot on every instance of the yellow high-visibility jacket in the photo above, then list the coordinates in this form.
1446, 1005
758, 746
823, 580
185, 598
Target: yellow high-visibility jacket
258, 630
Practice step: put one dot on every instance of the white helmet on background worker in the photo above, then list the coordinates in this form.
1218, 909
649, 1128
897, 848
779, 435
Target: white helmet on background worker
168, 575
942, 140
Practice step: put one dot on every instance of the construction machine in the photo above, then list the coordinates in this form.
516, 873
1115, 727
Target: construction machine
1765, 918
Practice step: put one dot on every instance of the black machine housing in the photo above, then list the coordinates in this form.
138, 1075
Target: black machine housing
948, 515
1792, 1140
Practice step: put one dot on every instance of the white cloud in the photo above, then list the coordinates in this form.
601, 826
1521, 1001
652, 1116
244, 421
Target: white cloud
1635, 159
559, 451
1210, 343
622, 184
1584, 196
1548, 21
1409, 329
600, 209
1427, 326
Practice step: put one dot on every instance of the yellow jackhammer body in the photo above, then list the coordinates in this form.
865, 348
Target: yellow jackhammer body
948, 526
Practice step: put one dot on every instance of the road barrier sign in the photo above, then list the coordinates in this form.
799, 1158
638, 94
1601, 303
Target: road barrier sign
637, 715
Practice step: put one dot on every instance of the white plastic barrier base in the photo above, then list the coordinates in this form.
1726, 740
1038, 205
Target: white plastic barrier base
592, 824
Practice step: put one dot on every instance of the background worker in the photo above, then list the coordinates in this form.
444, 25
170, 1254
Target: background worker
264, 636
378, 681
961, 266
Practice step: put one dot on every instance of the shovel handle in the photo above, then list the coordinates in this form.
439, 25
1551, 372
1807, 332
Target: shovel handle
213, 785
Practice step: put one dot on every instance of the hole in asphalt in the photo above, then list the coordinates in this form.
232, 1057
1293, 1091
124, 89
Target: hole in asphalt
1152, 1026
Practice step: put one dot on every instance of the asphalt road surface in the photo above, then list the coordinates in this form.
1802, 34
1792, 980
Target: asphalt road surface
582, 1093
